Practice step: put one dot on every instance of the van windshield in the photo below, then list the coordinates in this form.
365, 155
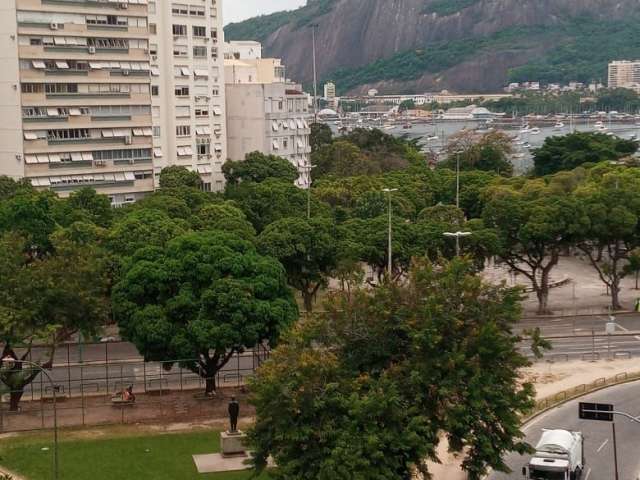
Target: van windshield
546, 475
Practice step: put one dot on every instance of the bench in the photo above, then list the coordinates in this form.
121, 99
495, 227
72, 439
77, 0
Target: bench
121, 402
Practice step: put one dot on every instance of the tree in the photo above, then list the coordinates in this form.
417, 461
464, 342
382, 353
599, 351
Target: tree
257, 167
179, 177
570, 151
201, 299
48, 299
86, 205
611, 205
265, 202
143, 228
342, 159
374, 382
306, 249
225, 217
533, 230
10, 187
321, 135
487, 152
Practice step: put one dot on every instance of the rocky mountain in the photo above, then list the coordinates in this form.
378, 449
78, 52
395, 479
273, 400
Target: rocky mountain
460, 45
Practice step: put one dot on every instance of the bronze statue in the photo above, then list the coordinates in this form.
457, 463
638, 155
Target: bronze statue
234, 412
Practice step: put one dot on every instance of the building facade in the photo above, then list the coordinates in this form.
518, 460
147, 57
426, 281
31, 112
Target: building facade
625, 74
107, 93
75, 90
272, 118
187, 87
329, 91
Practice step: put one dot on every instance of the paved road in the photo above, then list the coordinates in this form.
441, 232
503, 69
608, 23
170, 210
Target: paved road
580, 336
598, 435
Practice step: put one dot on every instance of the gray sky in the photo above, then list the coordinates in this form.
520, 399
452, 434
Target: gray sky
235, 10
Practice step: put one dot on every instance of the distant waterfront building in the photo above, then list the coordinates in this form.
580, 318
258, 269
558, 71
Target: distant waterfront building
329, 91
267, 113
625, 74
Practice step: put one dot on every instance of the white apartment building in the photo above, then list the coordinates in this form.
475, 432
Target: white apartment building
187, 86
625, 74
272, 118
75, 96
329, 91
242, 50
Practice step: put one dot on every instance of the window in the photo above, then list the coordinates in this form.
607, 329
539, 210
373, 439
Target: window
178, 9
196, 11
179, 30
180, 51
183, 111
183, 130
155, 90
203, 145
68, 134
182, 91
156, 132
199, 52
199, 31
32, 88
202, 112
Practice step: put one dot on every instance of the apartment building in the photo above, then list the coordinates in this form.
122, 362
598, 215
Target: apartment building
187, 86
75, 97
625, 74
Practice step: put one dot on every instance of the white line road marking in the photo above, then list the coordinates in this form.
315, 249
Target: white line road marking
586, 477
603, 445
626, 330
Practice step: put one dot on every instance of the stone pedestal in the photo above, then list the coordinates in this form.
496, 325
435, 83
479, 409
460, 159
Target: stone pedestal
232, 444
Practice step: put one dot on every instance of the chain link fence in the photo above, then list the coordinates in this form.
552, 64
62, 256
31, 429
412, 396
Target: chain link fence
89, 380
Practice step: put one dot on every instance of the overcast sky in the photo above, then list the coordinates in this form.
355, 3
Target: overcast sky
236, 10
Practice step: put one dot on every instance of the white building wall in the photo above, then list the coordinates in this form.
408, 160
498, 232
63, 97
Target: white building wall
187, 121
11, 151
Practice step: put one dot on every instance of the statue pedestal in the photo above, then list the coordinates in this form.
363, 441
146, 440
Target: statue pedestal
232, 443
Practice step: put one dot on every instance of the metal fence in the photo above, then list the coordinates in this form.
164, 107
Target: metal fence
85, 390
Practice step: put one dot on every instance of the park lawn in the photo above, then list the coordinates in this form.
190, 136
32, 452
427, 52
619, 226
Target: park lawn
151, 457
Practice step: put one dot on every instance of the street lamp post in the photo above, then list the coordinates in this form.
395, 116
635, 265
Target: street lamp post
13, 361
458, 178
388, 191
457, 236
307, 168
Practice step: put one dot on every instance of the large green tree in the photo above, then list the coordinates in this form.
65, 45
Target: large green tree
48, 298
257, 167
307, 249
367, 389
178, 177
534, 227
570, 151
201, 299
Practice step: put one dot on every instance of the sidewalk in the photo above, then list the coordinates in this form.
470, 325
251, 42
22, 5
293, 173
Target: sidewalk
583, 292
548, 379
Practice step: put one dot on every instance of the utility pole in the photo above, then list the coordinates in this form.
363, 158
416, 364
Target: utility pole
388, 191
314, 27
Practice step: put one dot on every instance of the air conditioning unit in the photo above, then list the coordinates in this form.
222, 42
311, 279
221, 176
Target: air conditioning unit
54, 26
100, 163
154, 58
92, 50
206, 39
128, 140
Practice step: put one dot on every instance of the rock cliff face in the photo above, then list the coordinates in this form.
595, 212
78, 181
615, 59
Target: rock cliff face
487, 38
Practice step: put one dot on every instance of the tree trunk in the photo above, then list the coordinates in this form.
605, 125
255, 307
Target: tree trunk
14, 400
210, 384
615, 297
543, 301
637, 274
307, 297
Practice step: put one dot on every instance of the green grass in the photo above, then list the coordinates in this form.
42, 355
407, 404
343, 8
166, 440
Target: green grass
168, 457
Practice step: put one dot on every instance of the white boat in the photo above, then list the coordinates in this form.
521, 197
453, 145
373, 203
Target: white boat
432, 138
558, 126
600, 127
535, 131
526, 145
525, 128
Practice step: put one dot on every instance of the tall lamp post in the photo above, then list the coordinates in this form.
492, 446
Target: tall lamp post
12, 361
314, 27
388, 191
307, 168
458, 152
457, 236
